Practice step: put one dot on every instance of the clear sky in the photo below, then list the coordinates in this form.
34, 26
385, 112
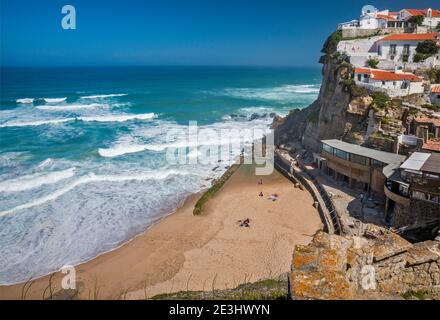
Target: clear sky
176, 32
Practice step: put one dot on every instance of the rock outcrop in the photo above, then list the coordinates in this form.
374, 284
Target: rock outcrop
377, 264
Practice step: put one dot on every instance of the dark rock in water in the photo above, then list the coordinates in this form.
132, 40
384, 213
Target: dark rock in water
215, 168
272, 114
256, 116
236, 116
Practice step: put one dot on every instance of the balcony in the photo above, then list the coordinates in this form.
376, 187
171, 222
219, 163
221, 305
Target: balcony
396, 197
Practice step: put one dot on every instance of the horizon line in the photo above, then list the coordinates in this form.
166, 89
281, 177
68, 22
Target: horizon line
317, 65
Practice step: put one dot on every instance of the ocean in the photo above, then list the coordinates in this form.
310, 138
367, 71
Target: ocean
83, 151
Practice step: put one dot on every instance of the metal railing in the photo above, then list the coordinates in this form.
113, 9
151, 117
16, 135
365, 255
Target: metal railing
329, 213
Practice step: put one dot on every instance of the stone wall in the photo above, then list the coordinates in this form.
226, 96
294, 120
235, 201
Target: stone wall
377, 264
418, 212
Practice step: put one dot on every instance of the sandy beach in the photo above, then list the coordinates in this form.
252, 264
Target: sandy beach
186, 252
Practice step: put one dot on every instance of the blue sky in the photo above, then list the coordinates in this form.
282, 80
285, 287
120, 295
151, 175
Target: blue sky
175, 32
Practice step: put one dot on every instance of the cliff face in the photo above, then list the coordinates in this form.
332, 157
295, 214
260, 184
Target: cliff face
325, 118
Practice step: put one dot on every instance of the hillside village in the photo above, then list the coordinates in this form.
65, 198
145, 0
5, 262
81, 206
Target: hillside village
369, 150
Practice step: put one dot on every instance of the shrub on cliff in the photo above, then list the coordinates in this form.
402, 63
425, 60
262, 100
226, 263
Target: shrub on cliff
372, 63
437, 27
357, 91
380, 100
331, 44
434, 75
425, 50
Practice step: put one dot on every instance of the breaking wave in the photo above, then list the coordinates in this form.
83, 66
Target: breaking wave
282, 94
73, 107
103, 118
35, 180
93, 178
103, 96
25, 100
55, 100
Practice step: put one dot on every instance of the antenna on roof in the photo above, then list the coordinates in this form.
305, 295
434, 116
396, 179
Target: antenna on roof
369, 9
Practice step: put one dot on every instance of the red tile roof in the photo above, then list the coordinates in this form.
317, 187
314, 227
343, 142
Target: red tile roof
423, 12
411, 36
434, 121
388, 18
384, 75
435, 89
432, 145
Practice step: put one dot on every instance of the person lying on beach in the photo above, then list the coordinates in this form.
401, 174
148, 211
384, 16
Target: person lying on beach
244, 223
260, 182
273, 197
261, 194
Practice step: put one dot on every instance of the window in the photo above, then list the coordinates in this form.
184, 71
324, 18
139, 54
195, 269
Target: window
406, 49
376, 163
327, 148
438, 96
394, 83
341, 154
405, 85
358, 159
393, 49
359, 77
383, 83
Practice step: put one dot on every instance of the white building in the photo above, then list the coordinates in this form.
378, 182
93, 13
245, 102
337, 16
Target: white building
370, 19
402, 47
395, 84
434, 95
432, 16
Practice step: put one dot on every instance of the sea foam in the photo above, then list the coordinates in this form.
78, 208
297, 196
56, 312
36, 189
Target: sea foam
35, 180
103, 118
103, 96
55, 100
73, 107
91, 178
25, 100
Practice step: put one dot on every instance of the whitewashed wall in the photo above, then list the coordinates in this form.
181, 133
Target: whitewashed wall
392, 88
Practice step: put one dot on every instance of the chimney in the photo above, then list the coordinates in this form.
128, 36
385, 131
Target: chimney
429, 13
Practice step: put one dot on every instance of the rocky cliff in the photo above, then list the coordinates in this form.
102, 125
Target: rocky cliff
375, 265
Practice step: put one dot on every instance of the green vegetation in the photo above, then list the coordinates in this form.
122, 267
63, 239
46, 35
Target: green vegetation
381, 100
425, 50
416, 20
380, 136
434, 75
198, 208
331, 44
261, 290
437, 27
372, 63
431, 107
411, 295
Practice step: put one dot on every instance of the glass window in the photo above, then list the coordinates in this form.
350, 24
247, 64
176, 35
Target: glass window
341, 154
393, 49
327, 148
358, 159
376, 163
